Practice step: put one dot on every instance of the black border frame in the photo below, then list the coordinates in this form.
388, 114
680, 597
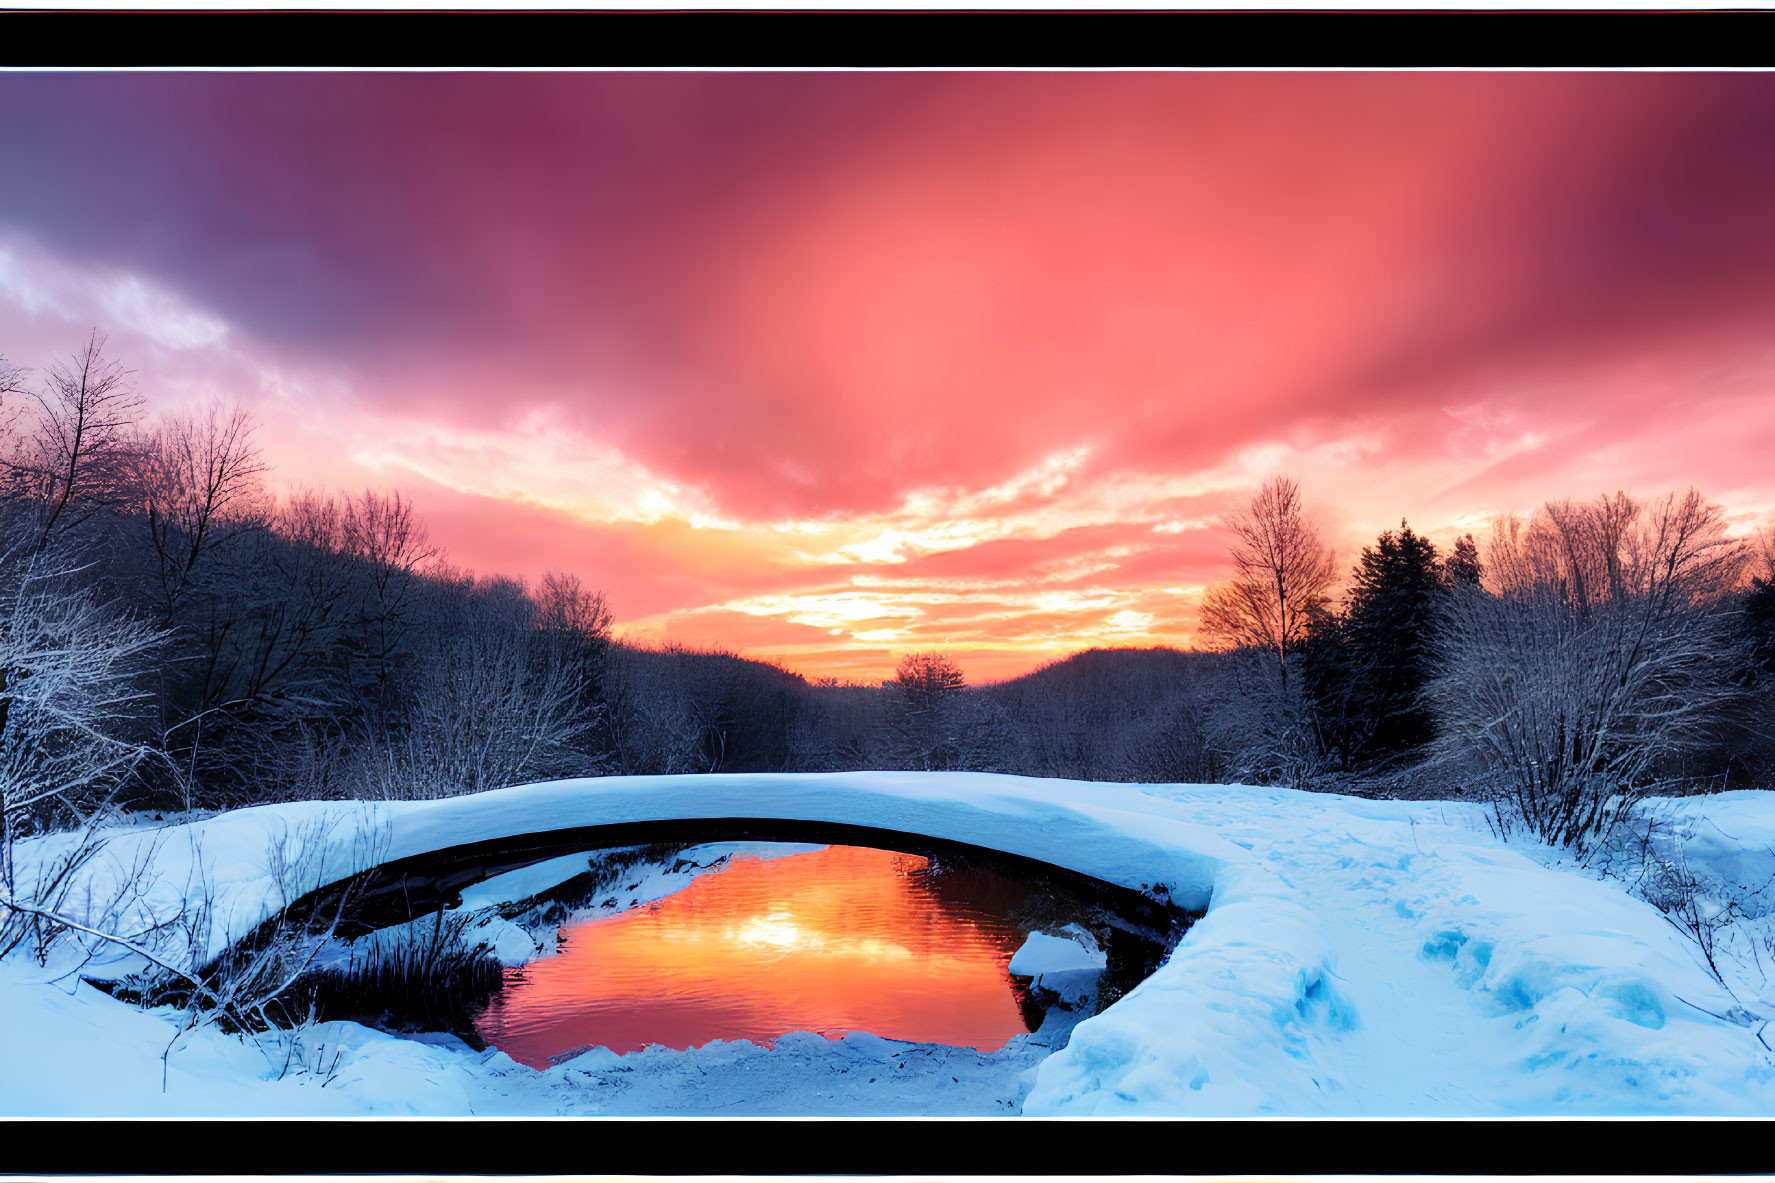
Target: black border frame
764, 39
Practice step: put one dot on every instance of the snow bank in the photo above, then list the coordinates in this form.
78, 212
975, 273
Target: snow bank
1229, 1025
1727, 840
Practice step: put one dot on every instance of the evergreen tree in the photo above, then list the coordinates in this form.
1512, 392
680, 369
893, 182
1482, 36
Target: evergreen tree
1748, 744
1385, 632
1759, 620
1325, 661
1463, 568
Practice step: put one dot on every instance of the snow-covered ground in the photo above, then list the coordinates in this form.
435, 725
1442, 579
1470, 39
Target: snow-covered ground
1357, 958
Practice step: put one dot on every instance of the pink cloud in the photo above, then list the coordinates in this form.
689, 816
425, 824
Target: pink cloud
777, 340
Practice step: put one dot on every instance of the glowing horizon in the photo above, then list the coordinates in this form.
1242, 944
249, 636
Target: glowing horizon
828, 368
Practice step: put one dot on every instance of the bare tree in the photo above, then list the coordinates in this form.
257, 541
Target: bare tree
677, 708
837, 728
1109, 714
72, 451
295, 582
1168, 744
652, 728
1264, 729
574, 626
1597, 650
1762, 548
567, 608
985, 736
708, 690
1282, 573
199, 474
12, 380
253, 697
389, 539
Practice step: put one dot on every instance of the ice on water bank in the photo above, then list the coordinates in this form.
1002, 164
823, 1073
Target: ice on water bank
1067, 963
1044, 954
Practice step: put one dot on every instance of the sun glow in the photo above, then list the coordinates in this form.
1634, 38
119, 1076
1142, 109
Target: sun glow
778, 930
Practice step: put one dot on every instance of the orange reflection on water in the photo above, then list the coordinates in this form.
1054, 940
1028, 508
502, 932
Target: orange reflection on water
840, 939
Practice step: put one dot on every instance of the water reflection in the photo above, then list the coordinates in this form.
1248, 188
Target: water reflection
844, 938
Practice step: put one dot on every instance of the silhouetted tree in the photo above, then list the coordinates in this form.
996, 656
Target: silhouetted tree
1462, 568
1281, 574
390, 545
71, 448
1747, 753
1389, 612
199, 475
1268, 726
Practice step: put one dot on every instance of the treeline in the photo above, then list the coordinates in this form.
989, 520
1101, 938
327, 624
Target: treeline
172, 632
1123, 714
1571, 663
173, 635
1594, 654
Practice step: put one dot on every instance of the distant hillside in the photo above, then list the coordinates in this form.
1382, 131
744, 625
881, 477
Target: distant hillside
1122, 714
1152, 668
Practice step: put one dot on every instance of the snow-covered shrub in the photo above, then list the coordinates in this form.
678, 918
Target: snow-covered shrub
1264, 725
252, 986
1672, 887
56, 893
1597, 651
1707, 887
71, 666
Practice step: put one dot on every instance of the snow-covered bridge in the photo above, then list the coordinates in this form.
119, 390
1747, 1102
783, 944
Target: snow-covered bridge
1356, 957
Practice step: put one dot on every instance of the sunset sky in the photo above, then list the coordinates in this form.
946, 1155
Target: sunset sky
831, 367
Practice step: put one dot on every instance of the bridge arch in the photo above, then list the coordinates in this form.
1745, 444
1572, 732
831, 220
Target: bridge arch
398, 890
1112, 844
